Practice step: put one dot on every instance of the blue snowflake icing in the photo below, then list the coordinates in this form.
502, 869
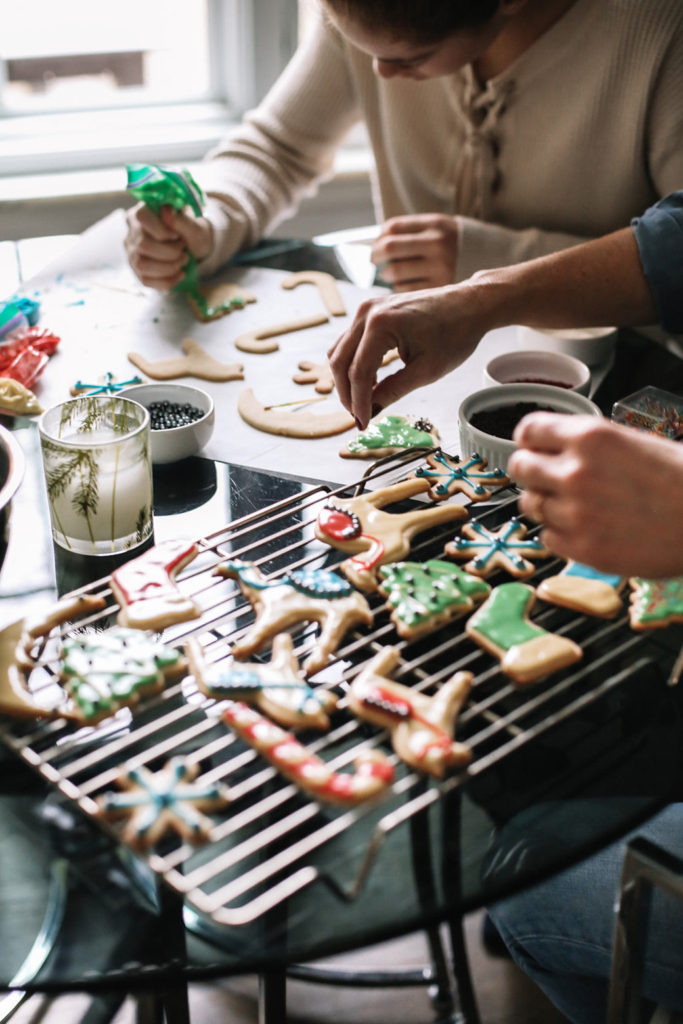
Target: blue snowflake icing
498, 543
462, 471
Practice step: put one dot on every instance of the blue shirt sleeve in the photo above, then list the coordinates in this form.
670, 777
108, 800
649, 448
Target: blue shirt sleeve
659, 236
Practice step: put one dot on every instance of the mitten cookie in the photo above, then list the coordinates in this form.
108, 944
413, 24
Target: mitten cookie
526, 651
584, 590
421, 727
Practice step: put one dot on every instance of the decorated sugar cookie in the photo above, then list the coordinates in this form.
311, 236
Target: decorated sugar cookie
360, 525
526, 651
425, 595
421, 727
304, 595
278, 687
585, 590
389, 435
656, 603
372, 775
506, 548
157, 803
146, 589
216, 300
106, 670
448, 475
17, 657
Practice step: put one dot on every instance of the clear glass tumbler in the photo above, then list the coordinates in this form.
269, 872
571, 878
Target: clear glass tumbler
98, 472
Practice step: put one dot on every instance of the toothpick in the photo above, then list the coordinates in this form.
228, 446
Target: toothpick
299, 401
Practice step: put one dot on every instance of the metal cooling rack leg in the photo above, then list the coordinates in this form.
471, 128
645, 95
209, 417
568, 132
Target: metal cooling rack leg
450, 870
645, 866
272, 997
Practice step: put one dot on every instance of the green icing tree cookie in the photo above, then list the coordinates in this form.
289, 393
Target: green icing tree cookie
426, 595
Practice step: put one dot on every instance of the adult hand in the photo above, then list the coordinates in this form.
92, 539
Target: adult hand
418, 251
608, 496
434, 331
158, 247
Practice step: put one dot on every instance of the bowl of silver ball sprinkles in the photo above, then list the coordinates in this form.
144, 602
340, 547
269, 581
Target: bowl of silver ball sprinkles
181, 418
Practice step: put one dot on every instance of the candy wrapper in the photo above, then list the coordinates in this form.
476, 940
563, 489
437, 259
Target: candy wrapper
157, 187
24, 355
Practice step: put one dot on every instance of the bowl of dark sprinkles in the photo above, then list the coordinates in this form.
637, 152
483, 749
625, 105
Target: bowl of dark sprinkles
181, 418
488, 417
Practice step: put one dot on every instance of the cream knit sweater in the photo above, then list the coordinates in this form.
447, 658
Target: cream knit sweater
579, 135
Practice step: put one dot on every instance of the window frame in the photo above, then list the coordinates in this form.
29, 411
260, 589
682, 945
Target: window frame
250, 41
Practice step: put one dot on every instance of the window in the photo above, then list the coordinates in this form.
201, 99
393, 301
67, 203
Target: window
87, 85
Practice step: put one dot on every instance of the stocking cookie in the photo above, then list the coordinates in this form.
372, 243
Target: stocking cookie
278, 687
195, 363
421, 727
157, 803
505, 548
360, 525
104, 671
448, 475
526, 652
372, 775
17, 658
288, 424
146, 590
425, 595
326, 285
656, 603
584, 590
261, 340
389, 435
304, 595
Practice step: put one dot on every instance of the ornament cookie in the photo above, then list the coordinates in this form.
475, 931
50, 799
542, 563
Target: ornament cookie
584, 590
260, 340
17, 658
156, 803
421, 727
505, 548
424, 596
278, 688
303, 595
389, 435
373, 772
526, 652
448, 475
360, 525
146, 590
656, 603
274, 420
195, 363
106, 670
326, 285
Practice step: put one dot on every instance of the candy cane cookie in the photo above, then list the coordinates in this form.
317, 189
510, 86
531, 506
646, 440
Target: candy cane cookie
526, 651
421, 727
584, 589
326, 285
506, 548
373, 770
360, 525
448, 475
278, 688
146, 590
157, 803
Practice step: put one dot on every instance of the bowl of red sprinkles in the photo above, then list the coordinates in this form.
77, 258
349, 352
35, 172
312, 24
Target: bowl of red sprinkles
181, 418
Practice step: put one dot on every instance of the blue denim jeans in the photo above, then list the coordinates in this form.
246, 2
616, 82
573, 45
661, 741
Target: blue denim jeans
561, 932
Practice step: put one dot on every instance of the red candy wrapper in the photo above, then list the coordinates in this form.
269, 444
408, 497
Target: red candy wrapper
23, 356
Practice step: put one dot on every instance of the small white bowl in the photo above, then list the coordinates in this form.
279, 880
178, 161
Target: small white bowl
524, 367
497, 450
174, 443
592, 345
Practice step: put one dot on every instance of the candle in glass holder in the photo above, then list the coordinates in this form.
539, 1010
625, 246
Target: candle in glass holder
98, 473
